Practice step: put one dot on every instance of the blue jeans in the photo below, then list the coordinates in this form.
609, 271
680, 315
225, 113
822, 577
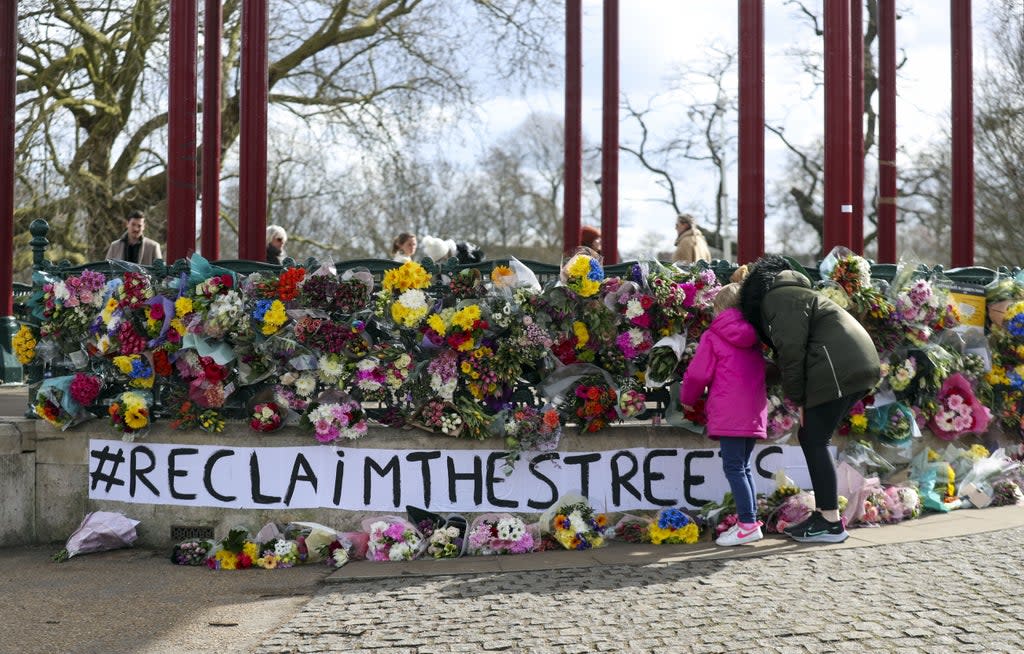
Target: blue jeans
735, 453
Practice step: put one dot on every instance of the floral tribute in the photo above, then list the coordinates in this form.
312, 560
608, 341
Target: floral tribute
129, 414
499, 533
959, 411
673, 526
266, 416
393, 539
574, 524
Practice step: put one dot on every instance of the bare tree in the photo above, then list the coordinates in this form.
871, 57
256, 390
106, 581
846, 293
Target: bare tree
92, 89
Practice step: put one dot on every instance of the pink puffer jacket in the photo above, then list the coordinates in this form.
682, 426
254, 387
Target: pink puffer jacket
730, 363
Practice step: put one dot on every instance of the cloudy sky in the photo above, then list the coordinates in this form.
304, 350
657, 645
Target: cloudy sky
657, 36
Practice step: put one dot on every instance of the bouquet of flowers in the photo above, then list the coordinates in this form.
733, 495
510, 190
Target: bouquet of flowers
583, 274
499, 533
24, 343
906, 502
54, 403
129, 413
673, 526
279, 553
528, 429
392, 539
633, 529
959, 410
234, 552
574, 524
850, 271
85, 388
442, 416
334, 416
893, 423
447, 541
663, 360
191, 552
266, 416
595, 404
1007, 492
783, 416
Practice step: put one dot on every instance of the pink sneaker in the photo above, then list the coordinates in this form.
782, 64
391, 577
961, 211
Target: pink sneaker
740, 533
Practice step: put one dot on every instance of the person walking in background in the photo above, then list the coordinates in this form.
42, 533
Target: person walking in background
276, 239
133, 246
827, 362
729, 363
590, 237
690, 243
403, 247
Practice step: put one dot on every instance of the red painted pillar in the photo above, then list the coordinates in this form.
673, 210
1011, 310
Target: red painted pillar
838, 202
963, 134
10, 367
252, 182
886, 131
573, 172
610, 135
211, 130
750, 191
181, 132
857, 125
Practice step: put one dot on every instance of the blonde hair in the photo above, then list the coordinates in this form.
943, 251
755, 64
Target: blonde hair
740, 274
273, 231
727, 297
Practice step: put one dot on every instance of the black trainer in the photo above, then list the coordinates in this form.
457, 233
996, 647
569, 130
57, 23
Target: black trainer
817, 529
800, 526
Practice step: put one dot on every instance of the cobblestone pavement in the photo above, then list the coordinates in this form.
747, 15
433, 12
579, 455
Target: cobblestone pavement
960, 594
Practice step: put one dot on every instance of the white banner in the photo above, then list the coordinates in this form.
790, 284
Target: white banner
464, 481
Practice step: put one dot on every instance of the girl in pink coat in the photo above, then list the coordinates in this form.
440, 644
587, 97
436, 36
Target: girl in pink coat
729, 363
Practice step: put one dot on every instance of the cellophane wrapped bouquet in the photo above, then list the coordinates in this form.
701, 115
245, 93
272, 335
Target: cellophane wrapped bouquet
499, 533
574, 524
392, 539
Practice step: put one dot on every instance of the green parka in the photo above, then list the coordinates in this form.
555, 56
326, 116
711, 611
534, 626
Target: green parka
822, 351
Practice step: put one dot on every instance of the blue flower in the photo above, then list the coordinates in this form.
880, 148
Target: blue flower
1015, 325
141, 369
596, 273
673, 519
262, 306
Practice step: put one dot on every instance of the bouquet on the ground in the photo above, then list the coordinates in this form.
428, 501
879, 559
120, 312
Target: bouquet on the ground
499, 533
574, 524
906, 502
191, 552
236, 551
392, 539
633, 529
279, 553
674, 526
448, 540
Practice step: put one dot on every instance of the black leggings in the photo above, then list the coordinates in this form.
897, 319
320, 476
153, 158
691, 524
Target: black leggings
820, 422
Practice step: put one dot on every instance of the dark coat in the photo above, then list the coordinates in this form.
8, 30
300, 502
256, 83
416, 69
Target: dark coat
823, 352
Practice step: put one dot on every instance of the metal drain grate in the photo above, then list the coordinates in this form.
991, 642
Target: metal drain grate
186, 532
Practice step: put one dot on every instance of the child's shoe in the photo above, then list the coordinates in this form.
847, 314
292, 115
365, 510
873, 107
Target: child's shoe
740, 533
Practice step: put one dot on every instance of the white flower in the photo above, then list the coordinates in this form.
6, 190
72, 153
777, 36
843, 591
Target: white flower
331, 368
511, 529
305, 385
414, 298
634, 309
340, 557
283, 547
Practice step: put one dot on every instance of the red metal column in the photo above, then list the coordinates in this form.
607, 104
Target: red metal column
252, 182
886, 131
838, 205
573, 173
10, 367
610, 135
181, 132
750, 191
211, 130
8, 91
857, 125
963, 134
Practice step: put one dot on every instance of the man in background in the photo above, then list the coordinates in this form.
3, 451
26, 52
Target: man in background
133, 246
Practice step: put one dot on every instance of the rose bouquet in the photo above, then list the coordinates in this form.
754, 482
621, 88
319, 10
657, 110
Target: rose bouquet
594, 405
266, 417
673, 526
24, 343
392, 539
499, 533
